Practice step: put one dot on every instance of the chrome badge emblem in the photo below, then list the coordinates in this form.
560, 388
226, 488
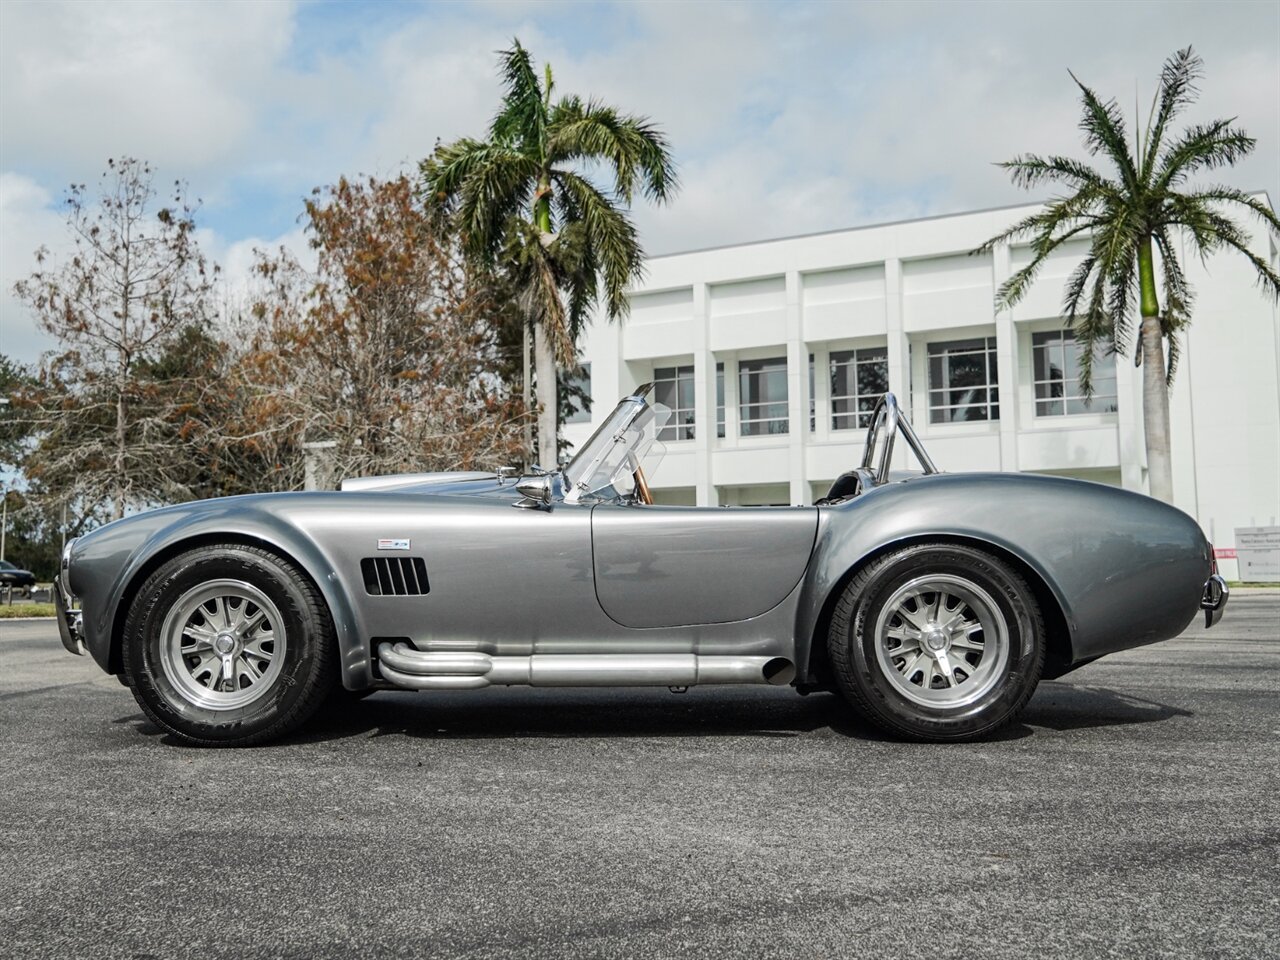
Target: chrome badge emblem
393, 544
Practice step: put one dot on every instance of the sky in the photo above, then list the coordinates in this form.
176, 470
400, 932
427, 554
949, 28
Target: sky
784, 118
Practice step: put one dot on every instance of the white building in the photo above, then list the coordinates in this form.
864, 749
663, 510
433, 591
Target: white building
767, 351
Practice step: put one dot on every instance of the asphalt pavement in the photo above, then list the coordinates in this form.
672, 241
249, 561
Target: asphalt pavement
1134, 812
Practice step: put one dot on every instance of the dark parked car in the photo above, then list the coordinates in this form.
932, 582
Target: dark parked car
20, 580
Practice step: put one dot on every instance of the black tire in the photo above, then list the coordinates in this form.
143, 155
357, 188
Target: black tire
307, 670
861, 660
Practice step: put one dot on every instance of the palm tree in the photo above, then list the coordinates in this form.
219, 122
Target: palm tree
1132, 220
526, 204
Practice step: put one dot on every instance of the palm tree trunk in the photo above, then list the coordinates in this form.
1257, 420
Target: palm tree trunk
544, 358
1155, 387
1155, 411
545, 378
526, 393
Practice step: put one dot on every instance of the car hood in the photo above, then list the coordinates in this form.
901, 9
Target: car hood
451, 484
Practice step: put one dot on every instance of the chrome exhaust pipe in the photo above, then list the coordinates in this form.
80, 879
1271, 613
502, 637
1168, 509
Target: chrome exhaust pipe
415, 669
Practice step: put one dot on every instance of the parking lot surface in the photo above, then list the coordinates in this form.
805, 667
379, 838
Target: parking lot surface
1133, 812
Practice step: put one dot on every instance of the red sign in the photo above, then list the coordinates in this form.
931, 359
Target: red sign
1224, 553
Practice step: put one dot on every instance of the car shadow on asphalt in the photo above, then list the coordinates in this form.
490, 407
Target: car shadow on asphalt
1070, 706
521, 713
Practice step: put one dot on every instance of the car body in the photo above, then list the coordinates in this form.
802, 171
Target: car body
464, 580
16, 578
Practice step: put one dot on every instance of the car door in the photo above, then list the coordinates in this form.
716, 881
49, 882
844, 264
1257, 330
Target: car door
659, 566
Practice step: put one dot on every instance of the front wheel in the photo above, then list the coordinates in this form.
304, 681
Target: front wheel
937, 642
229, 645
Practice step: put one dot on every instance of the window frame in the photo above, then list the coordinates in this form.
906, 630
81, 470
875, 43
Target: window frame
764, 365
677, 429
1066, 336
853, 359
938, 413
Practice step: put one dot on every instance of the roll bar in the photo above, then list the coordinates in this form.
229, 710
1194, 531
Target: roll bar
888, 415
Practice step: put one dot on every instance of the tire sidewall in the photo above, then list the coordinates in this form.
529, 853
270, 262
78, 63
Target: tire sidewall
144, 641
1012, 600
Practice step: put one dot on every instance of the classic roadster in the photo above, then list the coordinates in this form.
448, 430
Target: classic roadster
933, 603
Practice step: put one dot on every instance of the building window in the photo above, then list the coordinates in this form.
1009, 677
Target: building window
720, 399
762, 397
813, 402
578, 395
1056, 357
858, 378
962, 381
673, 387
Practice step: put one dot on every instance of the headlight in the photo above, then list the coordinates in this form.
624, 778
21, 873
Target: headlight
64, 569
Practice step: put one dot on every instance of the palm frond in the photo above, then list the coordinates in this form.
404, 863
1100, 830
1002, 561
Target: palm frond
483, 185
1048, 229
523, 117
634, 147
610, 233
1103, 126
1091, 325
1122, 284
532, 266
1202, 147
1177, 89
1030, 170
1178, 300
1230, 195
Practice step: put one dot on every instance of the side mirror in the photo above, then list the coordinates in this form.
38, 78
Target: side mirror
537, 489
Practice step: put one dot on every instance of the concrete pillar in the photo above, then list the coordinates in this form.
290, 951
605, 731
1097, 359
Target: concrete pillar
797, 393
704, 404
319, 468
899, 358
822, 393
1006, 364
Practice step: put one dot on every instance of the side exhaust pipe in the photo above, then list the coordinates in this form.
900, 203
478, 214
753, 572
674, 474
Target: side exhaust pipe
414, 669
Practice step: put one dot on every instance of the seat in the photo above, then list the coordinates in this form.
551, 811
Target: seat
846, 485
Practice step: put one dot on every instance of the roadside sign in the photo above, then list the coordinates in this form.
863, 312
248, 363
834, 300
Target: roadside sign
1258, 554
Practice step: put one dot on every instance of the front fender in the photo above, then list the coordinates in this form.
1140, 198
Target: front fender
108, 566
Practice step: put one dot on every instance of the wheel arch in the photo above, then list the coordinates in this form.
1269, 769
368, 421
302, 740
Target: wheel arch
338, 612
1059, 652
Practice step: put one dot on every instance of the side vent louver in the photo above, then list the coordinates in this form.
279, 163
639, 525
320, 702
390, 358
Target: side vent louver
395, 576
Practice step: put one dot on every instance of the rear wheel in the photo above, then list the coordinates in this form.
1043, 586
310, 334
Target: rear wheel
937, 642
229, 645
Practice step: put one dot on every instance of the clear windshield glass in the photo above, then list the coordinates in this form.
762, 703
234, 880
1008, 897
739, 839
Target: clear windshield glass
605, 467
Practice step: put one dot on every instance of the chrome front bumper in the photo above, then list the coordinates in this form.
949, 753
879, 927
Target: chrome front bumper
1214, 600
70, 623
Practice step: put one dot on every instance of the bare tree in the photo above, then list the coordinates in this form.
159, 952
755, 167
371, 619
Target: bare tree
391, 349
118, 308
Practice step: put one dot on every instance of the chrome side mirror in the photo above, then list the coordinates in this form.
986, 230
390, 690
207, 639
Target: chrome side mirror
536, 489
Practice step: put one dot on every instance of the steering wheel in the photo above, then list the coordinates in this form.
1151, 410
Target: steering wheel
888, 416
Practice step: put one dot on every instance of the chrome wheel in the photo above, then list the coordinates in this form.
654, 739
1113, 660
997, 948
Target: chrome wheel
941, 641
222, 644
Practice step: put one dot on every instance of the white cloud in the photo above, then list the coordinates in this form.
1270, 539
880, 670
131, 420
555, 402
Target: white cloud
28, 223
784, 118
180, 84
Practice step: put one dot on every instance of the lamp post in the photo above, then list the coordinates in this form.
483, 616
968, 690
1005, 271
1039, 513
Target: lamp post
4, 500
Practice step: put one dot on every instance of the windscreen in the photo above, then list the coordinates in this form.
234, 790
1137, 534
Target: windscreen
605, 467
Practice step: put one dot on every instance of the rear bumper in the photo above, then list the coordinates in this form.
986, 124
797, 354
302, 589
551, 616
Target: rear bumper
1214, 600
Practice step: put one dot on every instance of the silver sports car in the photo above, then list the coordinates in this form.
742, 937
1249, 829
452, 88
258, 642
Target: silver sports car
932, 602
